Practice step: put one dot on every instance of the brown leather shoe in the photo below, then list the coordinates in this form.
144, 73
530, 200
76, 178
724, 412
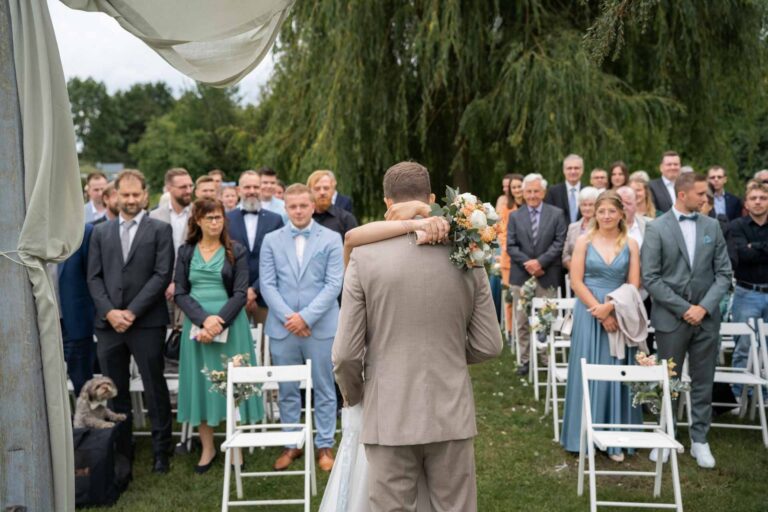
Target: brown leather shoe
325, 458
288, 456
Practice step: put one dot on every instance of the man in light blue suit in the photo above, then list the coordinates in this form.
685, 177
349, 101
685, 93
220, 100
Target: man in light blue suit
300, 270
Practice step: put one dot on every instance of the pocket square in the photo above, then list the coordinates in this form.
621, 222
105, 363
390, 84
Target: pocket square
707, 239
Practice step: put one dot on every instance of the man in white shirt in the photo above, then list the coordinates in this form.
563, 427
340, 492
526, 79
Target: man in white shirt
95, 184
268, 200
663, 189
635, 223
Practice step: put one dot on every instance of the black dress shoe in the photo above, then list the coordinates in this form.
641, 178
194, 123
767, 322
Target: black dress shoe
161, 464
200, 469
522, 369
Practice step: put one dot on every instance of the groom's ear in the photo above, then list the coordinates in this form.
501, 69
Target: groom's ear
431, 198
388, 202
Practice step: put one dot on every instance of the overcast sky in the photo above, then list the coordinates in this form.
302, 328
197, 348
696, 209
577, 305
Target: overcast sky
93, 44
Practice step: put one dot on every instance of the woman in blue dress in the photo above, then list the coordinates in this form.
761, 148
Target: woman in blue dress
604, 258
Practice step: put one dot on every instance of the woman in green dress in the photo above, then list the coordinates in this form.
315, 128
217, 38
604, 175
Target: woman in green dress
211, 286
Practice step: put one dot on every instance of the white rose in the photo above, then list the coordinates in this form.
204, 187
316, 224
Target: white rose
478, 219
477, 256
468, 198
490, 212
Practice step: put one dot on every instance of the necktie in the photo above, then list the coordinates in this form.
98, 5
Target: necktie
535, 225
572, 206
303, 232
125, 238
692, 217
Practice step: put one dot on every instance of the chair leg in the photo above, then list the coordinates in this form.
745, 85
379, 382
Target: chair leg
237, 460
592, 479
582, 445
676, 481
548, 394
227, 474
761, 412
555, 411
657, 478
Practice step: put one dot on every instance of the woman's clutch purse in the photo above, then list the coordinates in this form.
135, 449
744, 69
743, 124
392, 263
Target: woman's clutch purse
194, 332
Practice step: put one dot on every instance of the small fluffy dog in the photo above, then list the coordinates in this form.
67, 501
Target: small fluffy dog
91, 408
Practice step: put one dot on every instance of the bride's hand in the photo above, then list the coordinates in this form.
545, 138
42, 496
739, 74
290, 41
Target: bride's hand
430, 230
602, 311
407, 210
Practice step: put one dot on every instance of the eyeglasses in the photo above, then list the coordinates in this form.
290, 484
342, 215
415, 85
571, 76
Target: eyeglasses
214, 218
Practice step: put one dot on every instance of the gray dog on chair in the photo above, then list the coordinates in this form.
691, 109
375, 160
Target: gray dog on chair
91, 408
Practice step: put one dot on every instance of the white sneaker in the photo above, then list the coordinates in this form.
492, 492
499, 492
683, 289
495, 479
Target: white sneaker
654, 456
703, 455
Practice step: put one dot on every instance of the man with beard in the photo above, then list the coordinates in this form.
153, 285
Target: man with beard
326, 213
247, 225
130, 261
205, 188
109, 197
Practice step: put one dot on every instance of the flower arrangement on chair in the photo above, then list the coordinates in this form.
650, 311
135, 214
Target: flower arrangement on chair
650, 393
218, 379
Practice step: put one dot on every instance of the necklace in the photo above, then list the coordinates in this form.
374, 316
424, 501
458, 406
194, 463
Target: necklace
210, 248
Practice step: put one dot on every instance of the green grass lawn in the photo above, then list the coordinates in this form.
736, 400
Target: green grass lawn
519, 467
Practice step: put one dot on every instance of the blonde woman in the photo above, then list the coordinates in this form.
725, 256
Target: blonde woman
604, 258
645, 206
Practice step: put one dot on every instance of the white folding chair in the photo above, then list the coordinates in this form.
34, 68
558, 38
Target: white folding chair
242, 436
536, 346
761, 328
557, 374
749, 378
645, 436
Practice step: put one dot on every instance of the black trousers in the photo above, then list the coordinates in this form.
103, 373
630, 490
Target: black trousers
146, 347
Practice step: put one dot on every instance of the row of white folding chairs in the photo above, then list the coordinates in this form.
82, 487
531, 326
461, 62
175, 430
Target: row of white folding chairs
753, 378
565, 309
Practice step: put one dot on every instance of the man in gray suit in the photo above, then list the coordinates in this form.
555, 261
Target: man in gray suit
130, 260
410, 323
686, 270
663, 189
535, 239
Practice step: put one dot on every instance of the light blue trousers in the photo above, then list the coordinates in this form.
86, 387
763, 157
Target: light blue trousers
746, 304
294, 350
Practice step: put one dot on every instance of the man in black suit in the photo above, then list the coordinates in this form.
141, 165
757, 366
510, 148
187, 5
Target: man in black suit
663, 189
726, 204
565, 195
130, 262
535, 238
340, 200
248, 224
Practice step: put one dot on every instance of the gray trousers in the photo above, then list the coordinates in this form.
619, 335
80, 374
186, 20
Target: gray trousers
702, 347
449, 467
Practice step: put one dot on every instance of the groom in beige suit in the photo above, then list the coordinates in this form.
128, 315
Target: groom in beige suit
410, 324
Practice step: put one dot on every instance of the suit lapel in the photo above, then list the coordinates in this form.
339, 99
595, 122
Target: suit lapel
261, 230
699, 244
526, 220
238, 230
674, 227
310, 248
141, 231
289, 246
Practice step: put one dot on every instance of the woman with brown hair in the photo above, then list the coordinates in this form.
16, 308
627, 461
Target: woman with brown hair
645, 206
211, 288
618, 176
604, 259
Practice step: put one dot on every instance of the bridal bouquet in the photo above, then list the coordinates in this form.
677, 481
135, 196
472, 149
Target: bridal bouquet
218, 379
650, 393
473, 229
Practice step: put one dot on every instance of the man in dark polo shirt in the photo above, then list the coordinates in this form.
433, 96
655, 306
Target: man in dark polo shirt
748, 249
326, 213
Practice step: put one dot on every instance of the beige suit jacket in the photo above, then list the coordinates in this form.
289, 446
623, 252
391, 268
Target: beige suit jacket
410, 323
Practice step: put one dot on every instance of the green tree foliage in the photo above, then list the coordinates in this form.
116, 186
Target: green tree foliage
477, 89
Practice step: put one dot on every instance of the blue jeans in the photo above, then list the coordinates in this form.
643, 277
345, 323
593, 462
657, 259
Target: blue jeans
80, 356
746, 304
293, 350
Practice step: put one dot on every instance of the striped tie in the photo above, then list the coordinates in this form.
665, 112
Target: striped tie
535, 226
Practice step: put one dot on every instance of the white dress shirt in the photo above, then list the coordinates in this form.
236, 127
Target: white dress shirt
670, 186
301, 243
634, 232
92, 214
251, 225
688, 228
178, 224
134, 228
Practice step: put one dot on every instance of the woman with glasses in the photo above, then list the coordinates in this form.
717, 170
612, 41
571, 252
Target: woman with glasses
211, 288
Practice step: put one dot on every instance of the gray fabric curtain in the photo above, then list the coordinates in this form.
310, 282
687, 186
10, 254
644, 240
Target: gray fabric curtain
215, 42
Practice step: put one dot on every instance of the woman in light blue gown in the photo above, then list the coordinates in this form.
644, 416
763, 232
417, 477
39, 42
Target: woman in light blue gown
604, 258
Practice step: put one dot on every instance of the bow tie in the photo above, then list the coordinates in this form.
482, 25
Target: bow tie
251, 212
303, 232
692, 217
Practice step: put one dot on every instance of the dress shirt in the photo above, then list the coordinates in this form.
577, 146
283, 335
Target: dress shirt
688, 227
748, 246
670, 186
178, 223
336, 219
634, 232
720, 204
333, 198
573, 208
251, 225
301, 242
277, 206
91, 214
134, 228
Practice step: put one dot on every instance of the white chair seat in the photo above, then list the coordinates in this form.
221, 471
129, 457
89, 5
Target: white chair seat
561, 373
742, 377
247, 439
641, 440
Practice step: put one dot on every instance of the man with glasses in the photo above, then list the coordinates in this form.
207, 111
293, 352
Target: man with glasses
726, 204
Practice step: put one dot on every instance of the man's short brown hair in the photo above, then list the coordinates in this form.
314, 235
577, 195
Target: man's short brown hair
668, 153
407, 181
95, 175
204, 179
686, 180
173, 172
214, 172
751, 185
134, 174
317, 175
297, 189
